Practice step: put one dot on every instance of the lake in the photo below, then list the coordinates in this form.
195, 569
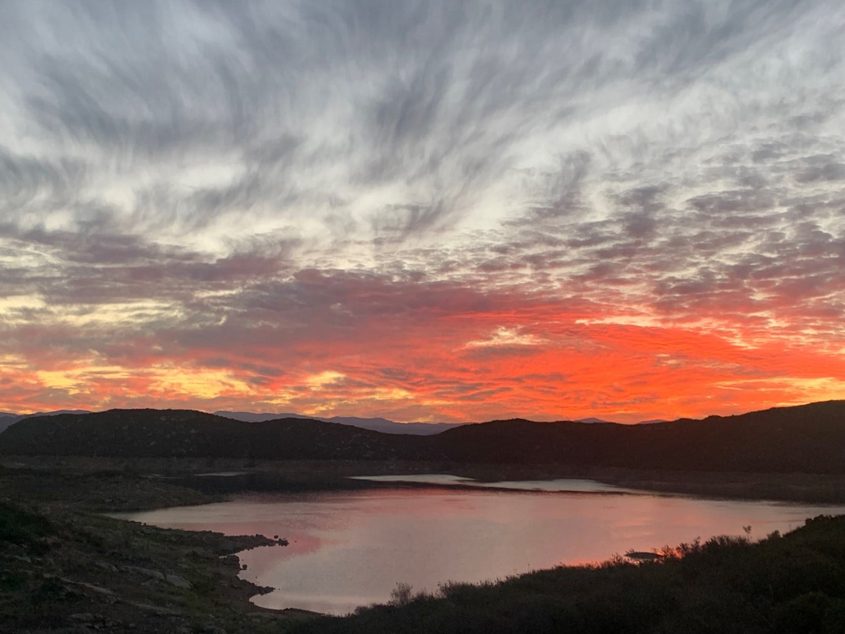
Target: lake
351, 548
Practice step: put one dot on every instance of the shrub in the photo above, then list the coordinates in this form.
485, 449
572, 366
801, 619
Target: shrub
401, 594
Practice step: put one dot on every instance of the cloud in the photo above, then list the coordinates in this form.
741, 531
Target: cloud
435, 200
506, 340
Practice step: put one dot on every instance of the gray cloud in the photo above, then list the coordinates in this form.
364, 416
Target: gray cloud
295, 169
436, 103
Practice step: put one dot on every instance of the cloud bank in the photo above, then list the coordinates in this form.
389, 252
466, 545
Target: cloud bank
423, 210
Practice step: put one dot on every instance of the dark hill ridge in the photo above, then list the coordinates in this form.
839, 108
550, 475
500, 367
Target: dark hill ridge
807, 438
187, 433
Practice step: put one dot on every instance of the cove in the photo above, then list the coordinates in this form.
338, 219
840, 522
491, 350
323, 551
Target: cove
350, 548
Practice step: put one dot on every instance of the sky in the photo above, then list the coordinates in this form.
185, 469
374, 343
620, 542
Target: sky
434, 211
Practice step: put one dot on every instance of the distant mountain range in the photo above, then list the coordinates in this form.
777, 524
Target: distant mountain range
374, 424
807, 438
384, 425
7, 419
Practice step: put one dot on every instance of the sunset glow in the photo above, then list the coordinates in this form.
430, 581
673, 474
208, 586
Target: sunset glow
486, 211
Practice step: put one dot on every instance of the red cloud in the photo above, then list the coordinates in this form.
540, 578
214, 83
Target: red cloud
365, 345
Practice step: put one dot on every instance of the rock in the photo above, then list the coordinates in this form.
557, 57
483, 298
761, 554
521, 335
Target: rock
155, 609
178, 581
147, 572
82, 617
88, 586
104, 565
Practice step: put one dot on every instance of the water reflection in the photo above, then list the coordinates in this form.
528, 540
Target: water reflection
351, 548
572, 485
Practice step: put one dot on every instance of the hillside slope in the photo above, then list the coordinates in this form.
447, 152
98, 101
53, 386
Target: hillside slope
808, 438
187, 433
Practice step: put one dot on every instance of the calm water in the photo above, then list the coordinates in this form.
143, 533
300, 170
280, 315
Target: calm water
351, 548
572, 485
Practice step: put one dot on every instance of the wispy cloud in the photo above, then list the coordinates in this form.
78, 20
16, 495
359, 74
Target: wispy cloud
436, 200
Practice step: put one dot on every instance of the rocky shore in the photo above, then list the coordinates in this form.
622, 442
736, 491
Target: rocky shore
64, 567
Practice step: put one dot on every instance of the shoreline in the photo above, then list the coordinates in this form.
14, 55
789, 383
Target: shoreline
77, 571
180, 577
251, 498
190, 477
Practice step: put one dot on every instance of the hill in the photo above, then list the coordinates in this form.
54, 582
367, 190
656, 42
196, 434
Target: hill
807, 438
187, 433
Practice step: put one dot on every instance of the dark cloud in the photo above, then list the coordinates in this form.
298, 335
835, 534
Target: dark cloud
438, 98
25, 180
821, 169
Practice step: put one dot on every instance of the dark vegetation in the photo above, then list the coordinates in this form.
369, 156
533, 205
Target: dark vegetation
66, 569
785, 584
803, 439
97, 490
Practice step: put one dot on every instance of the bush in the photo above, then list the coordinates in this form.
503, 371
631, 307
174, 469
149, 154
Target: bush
805, 613
401, 594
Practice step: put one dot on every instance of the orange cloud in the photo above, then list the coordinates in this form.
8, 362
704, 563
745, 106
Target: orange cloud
512, 354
